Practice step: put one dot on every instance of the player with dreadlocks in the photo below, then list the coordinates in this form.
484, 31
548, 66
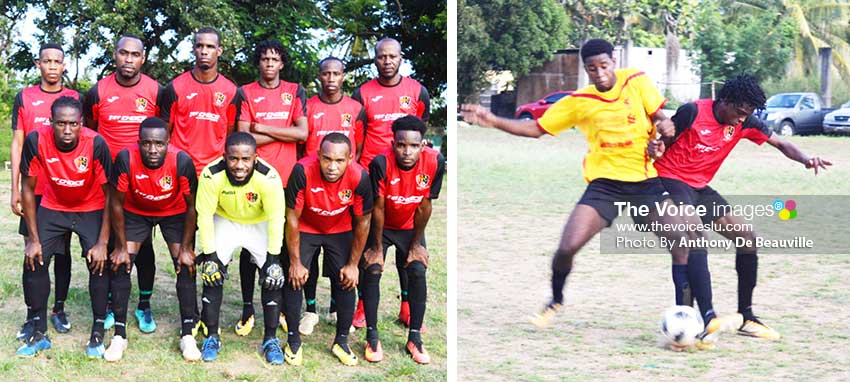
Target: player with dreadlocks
706, 131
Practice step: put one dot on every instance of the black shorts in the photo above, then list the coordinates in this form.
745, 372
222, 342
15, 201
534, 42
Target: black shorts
601, 194
138, 227
22, 225
682, 192
336, 249
401, 239
54, 225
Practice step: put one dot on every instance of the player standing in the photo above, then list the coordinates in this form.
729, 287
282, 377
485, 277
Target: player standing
406, 178
328, 203
31, 111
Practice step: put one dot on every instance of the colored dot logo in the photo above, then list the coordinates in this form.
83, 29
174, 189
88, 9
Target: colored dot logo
787, 209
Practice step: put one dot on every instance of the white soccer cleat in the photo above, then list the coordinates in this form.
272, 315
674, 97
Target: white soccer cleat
189, 347
116, 349
308, 322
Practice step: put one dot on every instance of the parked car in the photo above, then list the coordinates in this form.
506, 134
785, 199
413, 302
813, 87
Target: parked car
536, 109
795, 113
838, 122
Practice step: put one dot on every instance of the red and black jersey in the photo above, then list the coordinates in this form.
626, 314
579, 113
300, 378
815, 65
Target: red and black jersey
702, 143
345, 116
385, 104
154, 191
403, 190
72, 180
326, 208
200, 113
118, 110
278, 107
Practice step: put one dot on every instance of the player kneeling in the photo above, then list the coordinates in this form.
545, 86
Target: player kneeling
153, 184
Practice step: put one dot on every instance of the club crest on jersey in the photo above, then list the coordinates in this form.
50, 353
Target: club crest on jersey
346, 120
82, 163
728, 132
286, 98
405, 101
166, 182
252, 197
345, 196
141, 104
422, 181
220, 98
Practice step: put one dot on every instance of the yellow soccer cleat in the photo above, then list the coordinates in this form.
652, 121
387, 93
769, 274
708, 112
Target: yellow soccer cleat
345, 355
199, 328
716, 326
296, 359
282, 321
755, 328
244, 328
544, 318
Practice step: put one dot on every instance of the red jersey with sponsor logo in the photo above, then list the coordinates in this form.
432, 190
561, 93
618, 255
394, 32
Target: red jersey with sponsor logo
72, 180
200, 113
118, 110
702, 143
326, 208
154, 191
345, 116
385, 104
404, 189
31, 111
278, 107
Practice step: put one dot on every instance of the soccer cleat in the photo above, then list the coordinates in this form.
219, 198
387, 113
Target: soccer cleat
109, 321
283, 325
373, 355
404, 313
27, 330
189, 348
271, 349
33, 345
116, 349
359, 320
545, 316
201, 328
210, 349
296, 359
146, 321
344, 354
755, 328
60, 321
716, 326
308, 322
244, 328
95, 348
418, 353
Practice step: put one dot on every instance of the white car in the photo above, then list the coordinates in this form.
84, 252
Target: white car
838, 121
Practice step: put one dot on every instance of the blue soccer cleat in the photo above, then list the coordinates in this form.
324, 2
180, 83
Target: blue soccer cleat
95, 348
109, 321
146, 321
210, 349
32, 346
272, 351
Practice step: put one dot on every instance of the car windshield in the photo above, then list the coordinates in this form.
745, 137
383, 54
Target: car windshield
555, 97
783, 100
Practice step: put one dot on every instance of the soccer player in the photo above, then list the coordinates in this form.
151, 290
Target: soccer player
706, 131
153, 184
618, 115
271, 110
405, 180
327, 112
240, 205
73, 162
31, 111
387, 98
328, 203
114, 107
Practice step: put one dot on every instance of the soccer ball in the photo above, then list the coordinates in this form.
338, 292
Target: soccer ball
681, 324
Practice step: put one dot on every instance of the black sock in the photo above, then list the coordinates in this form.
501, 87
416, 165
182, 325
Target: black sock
699, 279
247, 310
146, 272
292, 310
120, 285
37, 292
212, 307
746, 264
372, 337
403, 281
415, 337
345, 307
371, 295
62, 275
332, 303
418, 293
271, 311
562, 264
311, 285
680, 284
98, 291
247, 275
187, 299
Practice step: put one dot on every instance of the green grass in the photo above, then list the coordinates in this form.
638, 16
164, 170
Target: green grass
156, 356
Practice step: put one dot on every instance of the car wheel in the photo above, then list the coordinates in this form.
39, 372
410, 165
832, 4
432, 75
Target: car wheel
526, 116
786, 128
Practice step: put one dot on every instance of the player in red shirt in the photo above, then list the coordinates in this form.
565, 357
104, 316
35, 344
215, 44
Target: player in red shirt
30, 111
272, 110
114, 107
73, 162
153, 184
706, 131
387, 98
406, 178
328, 205
329, 111
200, 105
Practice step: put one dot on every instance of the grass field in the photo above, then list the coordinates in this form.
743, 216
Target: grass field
153, 356
514, 197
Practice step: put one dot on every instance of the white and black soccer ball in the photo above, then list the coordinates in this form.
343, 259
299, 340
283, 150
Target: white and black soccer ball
681, 324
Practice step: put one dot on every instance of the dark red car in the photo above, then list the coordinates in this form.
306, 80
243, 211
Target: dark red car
535, 109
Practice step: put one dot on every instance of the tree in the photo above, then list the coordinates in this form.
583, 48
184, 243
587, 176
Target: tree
472, 42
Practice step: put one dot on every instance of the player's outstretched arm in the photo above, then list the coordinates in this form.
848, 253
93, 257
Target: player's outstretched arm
297, 272
793, 152
32, 252
350, 274
120, 254
374, 254
97, 255
417, 251
479, 115
186, 256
